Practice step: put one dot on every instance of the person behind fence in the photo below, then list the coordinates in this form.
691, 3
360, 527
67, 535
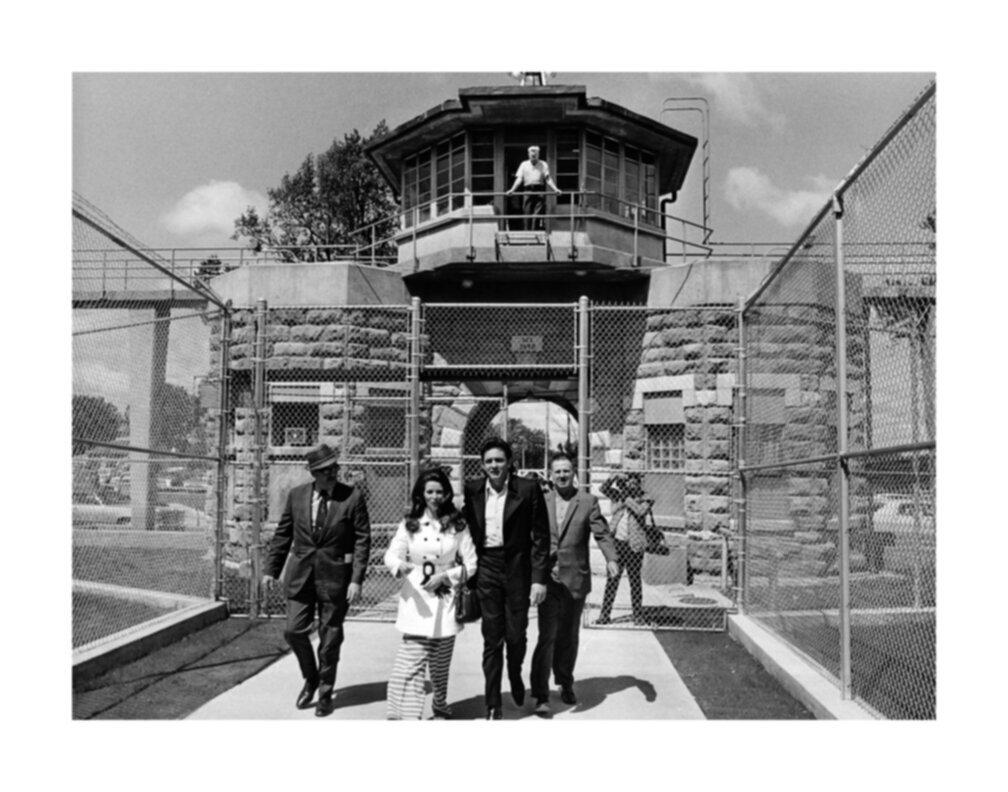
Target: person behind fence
533, 177
432, 551
573, 517
628, 523
326, 532
506, 515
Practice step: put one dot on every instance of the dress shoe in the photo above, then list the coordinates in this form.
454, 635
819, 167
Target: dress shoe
325, 706
442, 713
306, 695
567, 695
494, 713
542, 708
518, 691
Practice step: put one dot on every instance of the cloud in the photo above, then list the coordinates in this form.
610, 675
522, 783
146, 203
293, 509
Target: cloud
738, 97
747, 188
212, 207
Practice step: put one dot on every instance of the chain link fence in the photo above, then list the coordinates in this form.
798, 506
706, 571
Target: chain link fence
662, 438
839, 493
145, 456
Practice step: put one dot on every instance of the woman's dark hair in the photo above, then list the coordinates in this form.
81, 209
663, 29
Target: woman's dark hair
496, 442
450, 516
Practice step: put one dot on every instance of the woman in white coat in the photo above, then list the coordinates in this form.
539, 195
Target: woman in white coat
425, 552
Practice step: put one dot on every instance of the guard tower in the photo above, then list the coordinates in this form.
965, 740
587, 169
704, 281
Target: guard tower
461, 238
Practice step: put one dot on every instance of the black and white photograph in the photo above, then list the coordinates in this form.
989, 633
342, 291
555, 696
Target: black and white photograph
405, 383
504, 396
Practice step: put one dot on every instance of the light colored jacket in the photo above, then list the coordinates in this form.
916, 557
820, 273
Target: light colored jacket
422, 612
636, 513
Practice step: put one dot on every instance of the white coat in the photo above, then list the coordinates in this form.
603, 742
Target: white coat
422, 612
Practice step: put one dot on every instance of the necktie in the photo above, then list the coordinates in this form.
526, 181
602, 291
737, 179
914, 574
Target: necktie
320, 517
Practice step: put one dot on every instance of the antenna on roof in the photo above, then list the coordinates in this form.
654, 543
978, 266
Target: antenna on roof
531, 77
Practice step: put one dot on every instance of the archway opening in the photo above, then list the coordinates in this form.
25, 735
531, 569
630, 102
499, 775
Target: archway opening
536, 429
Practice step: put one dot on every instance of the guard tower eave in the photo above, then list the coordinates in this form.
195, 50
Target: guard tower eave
503, 106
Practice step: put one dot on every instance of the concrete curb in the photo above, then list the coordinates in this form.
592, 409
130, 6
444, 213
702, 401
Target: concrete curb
797, 675
113, 650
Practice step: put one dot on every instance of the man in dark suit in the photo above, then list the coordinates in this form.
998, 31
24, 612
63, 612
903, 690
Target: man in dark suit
573, 516
326, 529
507, 520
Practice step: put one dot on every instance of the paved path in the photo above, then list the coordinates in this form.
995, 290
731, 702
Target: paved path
620, 675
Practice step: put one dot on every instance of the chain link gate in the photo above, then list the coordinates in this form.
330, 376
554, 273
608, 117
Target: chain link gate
147, 459
662, 431
839, 523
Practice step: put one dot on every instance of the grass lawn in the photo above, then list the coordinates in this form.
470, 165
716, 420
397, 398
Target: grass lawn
178, 570
96, 615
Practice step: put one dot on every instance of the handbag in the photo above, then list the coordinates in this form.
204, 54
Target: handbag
467, 607
655, 538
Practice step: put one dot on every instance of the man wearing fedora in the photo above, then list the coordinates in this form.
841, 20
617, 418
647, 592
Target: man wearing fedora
326, 530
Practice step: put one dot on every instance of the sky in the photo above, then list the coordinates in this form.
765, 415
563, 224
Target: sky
174, 158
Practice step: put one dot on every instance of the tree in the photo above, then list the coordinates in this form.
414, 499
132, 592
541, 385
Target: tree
176, 420
322, 203
93, 418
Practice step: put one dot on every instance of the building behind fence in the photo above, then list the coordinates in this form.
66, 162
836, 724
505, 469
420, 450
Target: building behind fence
713, 388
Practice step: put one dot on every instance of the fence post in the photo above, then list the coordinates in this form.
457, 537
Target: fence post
740, 449
257, 461
414, 391
374, 231
583, 407
843, 536
223, 402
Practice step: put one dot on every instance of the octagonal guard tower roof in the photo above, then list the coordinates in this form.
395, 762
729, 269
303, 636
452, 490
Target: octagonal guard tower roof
510, 105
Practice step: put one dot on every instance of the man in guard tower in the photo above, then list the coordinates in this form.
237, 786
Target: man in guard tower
533, 176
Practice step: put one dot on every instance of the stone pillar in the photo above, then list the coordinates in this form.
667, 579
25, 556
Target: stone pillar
148, 351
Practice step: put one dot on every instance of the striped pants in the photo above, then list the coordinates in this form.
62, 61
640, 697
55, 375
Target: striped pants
406, 686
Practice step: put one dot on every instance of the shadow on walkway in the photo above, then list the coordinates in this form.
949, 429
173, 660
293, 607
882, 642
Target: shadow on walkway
591, 693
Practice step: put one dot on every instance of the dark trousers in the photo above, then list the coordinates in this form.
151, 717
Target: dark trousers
534, 207
300, 615
502, 585
557, 647
632, 563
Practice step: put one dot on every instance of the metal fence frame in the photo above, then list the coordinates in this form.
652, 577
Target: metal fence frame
844, 456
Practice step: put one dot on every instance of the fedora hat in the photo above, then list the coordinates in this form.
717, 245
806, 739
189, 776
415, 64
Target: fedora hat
321, 457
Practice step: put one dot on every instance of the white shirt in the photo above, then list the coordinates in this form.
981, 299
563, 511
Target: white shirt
532, 175
493, 515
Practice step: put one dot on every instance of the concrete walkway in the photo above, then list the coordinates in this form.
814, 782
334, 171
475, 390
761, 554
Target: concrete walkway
620, 675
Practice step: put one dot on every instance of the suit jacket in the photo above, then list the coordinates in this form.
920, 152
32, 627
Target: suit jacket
571, 536
526, 527
337, 558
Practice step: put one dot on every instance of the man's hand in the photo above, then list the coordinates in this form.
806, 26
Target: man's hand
612, 568
268, 582
352, 593
555, 573
405, 567
537, 594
